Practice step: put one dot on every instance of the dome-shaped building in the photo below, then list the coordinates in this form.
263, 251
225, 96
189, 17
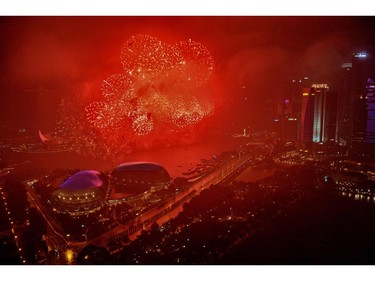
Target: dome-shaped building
133, 178
82, 192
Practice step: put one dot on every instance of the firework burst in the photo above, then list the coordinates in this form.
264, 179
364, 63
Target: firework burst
155, 91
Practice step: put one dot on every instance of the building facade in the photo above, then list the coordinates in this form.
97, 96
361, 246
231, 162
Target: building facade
356, 98
318, 119
370, 100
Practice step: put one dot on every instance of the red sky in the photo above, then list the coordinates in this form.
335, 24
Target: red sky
255, 57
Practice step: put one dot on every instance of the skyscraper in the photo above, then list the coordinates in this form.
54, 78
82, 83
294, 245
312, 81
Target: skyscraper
288, 110
360, 74
286, 120
344, 108
307, 117
331, 120
318, 115
370, 97
356, 103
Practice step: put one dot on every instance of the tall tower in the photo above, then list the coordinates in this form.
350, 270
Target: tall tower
370, 97
355, 108
331, 120
286, 121
318, 115
320, 92
359, 77
307, 116
344, 106
288, 110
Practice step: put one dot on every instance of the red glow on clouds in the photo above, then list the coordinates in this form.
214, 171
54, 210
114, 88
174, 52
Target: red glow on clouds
255, 57
156, 98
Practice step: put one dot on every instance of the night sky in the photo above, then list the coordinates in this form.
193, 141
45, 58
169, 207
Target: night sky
255, 57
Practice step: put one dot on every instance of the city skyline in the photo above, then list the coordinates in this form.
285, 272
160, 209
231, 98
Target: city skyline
187, 140
253, 55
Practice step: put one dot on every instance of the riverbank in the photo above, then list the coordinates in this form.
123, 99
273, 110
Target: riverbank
176, 159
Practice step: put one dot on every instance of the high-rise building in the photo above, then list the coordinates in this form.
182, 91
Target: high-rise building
318, 115
286, 121
307, 116
288, 110
361, 69
331, 121
344, 108
355, 102
370, 98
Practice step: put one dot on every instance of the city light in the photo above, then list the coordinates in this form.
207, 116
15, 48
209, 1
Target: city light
347, 65
320, 86
360, 55
69, 255
187, 140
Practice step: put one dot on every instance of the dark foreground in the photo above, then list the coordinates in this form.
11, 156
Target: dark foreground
320, 229
290, 218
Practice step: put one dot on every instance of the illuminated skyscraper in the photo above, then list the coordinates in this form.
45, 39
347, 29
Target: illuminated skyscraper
319, 112
318, 115
370, 97
361, 69
356, 103
307, 116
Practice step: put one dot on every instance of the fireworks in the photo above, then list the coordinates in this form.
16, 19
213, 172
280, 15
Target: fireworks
117, 86
157, 83
142, 125
155, 91
197, 65
145, 57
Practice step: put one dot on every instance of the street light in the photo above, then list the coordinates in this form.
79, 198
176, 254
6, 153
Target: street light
69, 256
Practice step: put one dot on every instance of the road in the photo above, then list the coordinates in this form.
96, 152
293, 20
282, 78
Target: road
167, 210
54, 239
114, 239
